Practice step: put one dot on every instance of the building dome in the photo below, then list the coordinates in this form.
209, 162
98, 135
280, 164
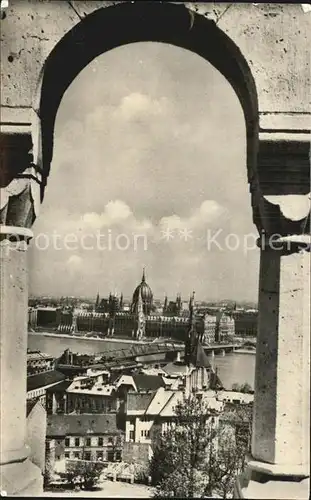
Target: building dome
142, 295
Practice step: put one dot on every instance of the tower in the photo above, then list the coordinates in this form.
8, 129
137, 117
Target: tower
178, 304
112, 309
74, 326
165, 305
141, 320
190, 339
143, 292
97, 302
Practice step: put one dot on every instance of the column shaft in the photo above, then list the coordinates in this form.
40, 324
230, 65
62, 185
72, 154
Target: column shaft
281, 407
13, 326
18, 475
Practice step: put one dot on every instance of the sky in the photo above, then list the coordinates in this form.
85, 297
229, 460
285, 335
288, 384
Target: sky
149, 170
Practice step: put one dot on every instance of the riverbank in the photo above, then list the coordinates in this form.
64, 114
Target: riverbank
85, 337
233, 368
245, 351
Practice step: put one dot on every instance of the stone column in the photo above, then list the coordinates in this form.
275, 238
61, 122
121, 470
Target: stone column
18, 475
280, 463
281, 411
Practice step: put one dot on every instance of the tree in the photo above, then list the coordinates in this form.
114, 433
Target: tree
228, 463
245, 388
197, 456
83, 472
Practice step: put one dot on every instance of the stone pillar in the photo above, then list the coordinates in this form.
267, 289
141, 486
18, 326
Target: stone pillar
279, 467
20, 191
280, 463
282, 363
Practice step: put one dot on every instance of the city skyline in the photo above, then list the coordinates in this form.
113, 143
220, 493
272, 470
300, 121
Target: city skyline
142, 153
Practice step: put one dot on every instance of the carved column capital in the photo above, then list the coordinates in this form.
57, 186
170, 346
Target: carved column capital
20, 180
284, 182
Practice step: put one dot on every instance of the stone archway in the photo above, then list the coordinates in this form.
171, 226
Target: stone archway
135, 22
259, 49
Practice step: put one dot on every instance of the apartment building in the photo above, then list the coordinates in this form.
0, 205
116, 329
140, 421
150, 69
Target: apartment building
94, 437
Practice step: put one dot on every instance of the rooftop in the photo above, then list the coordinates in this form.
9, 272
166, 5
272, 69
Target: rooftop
159, 400
148, 382
80, 425
96, 389
44, 379
176, 368
30, 404
138, 402
61, 387
32, 355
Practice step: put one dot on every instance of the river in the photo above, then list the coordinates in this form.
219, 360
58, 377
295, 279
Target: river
233, 368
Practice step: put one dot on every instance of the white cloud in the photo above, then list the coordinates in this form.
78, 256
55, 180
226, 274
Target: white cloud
138, 147
74, 261
209, 211
115, 211
137, 106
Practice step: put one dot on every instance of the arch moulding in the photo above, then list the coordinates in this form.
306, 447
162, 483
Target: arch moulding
263, 50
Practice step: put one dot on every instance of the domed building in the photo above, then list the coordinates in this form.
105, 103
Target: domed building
142, 297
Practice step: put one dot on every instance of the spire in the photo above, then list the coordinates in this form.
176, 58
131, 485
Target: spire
190, 342
121, 302
191, 308
165, 304
97, 301
143, 279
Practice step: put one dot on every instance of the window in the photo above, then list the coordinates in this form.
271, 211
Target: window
67, 455
88, 442
67, 442
142, 433
100, 441
77, 441
132, 435
76, 454
118, 456
110, 456
110, 440
87, 455
99, 455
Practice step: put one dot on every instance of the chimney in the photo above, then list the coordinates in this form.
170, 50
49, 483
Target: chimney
178, 356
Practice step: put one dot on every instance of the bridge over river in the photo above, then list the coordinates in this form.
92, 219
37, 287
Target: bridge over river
140, 352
